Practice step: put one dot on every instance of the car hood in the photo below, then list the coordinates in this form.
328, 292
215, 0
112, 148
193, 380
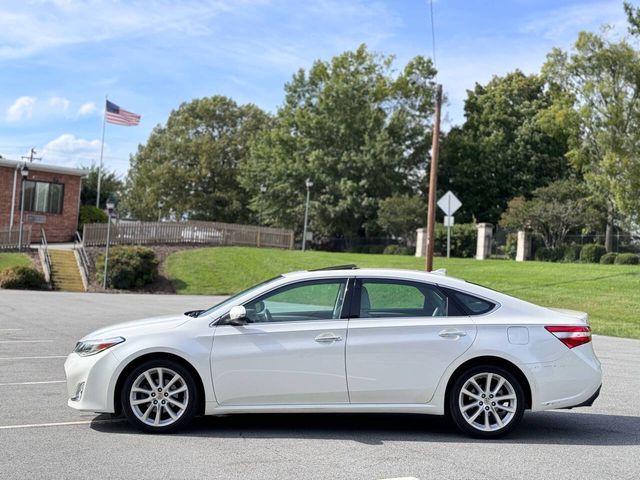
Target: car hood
145, 326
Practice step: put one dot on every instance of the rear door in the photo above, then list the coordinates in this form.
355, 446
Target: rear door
402, 336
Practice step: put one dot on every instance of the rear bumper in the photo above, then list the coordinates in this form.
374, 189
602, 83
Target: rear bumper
589, 401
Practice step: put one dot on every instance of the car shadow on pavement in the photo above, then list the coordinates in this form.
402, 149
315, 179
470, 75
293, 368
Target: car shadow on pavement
555, 427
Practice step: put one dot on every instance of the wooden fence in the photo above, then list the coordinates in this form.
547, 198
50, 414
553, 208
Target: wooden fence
207, 233
10, 238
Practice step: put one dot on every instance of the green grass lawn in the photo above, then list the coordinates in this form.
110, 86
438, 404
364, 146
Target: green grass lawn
13, 259
609, 293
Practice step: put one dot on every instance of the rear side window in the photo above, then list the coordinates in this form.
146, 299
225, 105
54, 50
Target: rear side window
473, 305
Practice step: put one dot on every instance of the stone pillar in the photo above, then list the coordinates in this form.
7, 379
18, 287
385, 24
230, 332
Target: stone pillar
485, 232
523, 251
421, 242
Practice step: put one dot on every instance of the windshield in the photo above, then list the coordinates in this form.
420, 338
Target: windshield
231, 299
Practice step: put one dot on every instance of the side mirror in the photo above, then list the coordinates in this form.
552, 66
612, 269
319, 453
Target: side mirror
237, 315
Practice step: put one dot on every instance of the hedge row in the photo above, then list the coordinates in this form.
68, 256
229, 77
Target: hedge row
21, 277
129, 267
589, 253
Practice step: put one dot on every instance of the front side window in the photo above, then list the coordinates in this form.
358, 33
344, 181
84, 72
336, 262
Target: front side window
398, 298
314, 300
43, 197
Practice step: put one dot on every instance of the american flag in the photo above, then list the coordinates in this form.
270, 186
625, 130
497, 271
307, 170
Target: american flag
119, 116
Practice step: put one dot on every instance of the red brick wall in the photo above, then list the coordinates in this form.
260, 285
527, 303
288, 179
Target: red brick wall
58, 227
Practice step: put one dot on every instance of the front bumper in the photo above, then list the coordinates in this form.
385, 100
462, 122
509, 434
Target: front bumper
91, 378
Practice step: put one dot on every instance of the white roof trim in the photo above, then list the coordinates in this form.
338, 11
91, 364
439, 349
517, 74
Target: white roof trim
39, 167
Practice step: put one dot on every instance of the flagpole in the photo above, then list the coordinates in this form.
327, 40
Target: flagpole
104, 123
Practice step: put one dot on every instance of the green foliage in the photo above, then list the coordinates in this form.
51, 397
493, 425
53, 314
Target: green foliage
110, 184
511, 245
463, 240
572, 253
627, 259
129, 267
608, 258
544, 254
600, 79
506, 148
189, 167
591, 253
13, 259
91, 214
21, 277
401, 215
397, 250
553, 212
357, 129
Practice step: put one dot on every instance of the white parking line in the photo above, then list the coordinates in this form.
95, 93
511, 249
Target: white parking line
33, 358
59, 424
31, 383
10, 329
26, 341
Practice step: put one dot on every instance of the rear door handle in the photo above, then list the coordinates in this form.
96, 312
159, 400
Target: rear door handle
448, 333
328, 338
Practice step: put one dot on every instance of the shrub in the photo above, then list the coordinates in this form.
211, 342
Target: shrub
572, 253
628, 259
608, 258
391, 250
129, 267
463, 240
592, 252
91, 214
21, 278
544, 254
511, 246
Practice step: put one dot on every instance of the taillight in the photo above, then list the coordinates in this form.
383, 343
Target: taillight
571, 336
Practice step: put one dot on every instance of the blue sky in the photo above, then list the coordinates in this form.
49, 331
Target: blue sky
58, 58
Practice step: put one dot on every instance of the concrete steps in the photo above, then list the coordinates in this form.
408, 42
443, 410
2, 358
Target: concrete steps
65, 274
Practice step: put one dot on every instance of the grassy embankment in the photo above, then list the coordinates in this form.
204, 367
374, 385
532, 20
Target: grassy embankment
609, 293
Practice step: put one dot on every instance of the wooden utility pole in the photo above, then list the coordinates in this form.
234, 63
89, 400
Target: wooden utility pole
433, 181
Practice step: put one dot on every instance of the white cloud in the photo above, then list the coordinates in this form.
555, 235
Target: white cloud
70, 150
22, 108
60, 103
87, 109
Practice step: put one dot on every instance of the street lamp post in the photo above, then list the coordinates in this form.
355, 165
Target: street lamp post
111, 205
160, 207
24, 172
308, 184
263, 190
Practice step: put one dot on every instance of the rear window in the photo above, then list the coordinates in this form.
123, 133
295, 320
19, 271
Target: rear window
473, 305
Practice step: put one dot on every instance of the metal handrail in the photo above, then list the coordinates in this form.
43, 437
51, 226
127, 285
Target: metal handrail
78, 245
45, 248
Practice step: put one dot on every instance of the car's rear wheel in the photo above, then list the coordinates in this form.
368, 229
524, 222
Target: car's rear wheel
486, 401
159, 396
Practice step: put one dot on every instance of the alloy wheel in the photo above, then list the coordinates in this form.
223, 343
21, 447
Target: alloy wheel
488, 402
159, 397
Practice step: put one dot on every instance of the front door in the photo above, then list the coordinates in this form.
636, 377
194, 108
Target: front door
401, 339
291, 353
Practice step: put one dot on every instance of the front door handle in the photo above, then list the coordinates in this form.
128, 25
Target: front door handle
328, 338
450, 333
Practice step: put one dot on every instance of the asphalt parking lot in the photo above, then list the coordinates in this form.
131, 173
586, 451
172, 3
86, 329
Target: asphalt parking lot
40, 437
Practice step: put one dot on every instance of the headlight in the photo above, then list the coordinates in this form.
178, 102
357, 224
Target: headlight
91, 347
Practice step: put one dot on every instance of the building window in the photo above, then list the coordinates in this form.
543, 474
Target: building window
43, 197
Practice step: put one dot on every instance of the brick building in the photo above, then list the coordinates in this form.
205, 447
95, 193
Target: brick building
52, 199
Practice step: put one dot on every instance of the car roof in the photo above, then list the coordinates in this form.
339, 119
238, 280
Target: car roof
398, 273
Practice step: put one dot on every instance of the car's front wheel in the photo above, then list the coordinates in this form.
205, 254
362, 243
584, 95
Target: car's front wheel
159, 396
486, 401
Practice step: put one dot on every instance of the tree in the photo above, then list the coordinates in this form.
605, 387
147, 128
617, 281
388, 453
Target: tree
358, 130
401, 215
109, 184
553, 211
602, 79
188, 168
505, 148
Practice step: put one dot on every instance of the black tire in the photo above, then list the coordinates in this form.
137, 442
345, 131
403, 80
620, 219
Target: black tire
514, 418
186, 414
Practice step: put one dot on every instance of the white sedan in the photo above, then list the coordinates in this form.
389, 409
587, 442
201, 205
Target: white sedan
343, 339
